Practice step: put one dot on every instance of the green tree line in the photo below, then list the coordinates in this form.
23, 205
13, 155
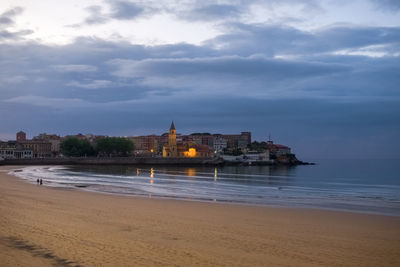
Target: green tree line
107, 146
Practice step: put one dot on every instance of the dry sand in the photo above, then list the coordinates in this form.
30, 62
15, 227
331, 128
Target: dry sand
41, 226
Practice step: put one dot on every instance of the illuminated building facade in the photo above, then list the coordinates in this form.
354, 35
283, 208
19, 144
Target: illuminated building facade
170, 150
40, 149
146, 144
184, 149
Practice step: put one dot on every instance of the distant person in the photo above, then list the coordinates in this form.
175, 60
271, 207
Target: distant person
41, 181
37, 181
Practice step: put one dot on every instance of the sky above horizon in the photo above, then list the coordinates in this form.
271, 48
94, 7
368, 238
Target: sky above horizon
321, 76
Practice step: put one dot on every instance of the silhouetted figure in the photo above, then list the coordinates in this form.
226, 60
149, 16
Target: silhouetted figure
41, 181
37, 181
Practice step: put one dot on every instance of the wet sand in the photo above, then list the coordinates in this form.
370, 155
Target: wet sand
42, 226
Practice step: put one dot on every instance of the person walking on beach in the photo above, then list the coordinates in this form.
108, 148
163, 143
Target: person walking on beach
37, 181
41, 181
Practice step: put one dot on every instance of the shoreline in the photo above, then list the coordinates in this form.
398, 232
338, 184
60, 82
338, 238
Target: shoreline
211, 201
74, 227
310, 206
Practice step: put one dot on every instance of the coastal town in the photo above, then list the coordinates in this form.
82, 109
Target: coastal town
231, 148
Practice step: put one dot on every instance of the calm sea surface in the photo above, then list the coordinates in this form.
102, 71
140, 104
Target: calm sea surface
370, 186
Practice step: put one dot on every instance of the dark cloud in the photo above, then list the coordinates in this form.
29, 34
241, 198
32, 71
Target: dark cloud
208, 10
259, 76
96, 15
229, 65
337, 38
7, 18
75, 68
212, 12
389, 5
120, 10
124, 10
205, 10
18, 35
276, 40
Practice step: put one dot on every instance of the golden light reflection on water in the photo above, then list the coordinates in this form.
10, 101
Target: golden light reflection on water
215, 174
137, 172
191, 172
151, 176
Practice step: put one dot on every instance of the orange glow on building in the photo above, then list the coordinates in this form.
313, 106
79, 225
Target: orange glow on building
191, 153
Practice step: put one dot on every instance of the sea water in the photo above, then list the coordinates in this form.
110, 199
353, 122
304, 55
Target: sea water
368, 186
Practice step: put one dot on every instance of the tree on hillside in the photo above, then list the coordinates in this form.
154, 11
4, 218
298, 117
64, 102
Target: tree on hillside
257, 146
74, 147
114, 146
234, 152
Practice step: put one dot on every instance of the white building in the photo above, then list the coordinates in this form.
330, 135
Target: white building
10, 153
220, 144
256, 156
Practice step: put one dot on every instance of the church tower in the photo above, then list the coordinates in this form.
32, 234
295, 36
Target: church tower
173, 149
170, 149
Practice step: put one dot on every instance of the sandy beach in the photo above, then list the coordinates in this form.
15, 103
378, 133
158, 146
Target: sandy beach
42, 226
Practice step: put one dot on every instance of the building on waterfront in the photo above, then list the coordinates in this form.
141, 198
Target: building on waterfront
23, 148
53, 139
14, 150
21, 136
277, 150
219, 144
149, 144
255, 156
10, 153
39, 148
184, 149
170, 150
200, 139
171, 144
236, 141
194, 150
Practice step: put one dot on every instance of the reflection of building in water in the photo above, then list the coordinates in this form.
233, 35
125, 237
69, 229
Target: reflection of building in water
151, 176
184, 149
191, 172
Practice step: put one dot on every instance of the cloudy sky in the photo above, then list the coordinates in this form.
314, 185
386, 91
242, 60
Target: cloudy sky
322, 76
